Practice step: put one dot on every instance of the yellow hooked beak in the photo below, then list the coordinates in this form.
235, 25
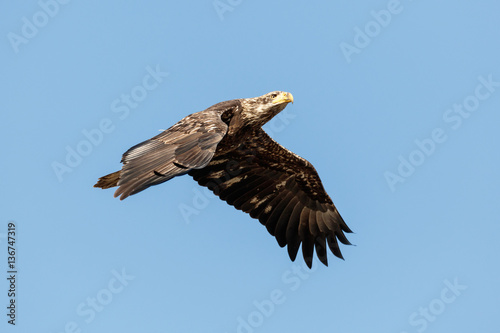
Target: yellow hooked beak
284, 97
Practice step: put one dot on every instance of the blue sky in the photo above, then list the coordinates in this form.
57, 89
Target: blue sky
396, 105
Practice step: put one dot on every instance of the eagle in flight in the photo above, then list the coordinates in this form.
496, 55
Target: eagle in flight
225, 149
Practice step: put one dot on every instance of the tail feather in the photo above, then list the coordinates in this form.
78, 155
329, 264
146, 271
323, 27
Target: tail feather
108, 181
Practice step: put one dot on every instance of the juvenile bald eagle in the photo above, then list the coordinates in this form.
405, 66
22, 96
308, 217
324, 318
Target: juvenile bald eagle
225, 149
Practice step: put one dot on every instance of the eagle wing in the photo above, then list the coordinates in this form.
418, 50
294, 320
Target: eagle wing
189, 144
280, 189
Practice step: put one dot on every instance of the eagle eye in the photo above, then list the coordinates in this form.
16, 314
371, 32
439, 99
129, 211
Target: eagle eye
274, 95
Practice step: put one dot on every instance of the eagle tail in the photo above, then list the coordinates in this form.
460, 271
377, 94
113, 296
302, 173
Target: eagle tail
108, 181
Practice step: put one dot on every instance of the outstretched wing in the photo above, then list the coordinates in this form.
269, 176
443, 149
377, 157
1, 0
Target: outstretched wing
282, 190
189, 144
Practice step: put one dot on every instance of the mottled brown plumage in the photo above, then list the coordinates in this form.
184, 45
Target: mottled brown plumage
225, 149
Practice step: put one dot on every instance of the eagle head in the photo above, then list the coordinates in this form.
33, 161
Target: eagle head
259, 110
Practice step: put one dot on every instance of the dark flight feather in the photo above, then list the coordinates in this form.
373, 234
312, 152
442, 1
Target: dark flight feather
286, 190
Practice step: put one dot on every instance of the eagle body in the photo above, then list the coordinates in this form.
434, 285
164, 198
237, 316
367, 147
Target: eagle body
225, 149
